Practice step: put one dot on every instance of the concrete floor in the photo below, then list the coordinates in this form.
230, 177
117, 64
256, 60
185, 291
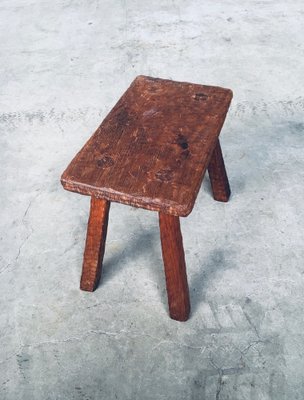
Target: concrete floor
64, 65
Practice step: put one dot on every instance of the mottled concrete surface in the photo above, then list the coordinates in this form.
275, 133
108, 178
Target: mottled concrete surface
63, 66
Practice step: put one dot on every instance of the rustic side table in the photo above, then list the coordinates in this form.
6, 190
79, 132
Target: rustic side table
152, 151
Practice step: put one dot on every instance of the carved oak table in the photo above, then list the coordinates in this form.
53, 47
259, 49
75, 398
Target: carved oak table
152, 151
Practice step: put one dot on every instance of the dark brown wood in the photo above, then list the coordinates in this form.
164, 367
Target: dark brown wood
218, 176
153, 148
175, 267
95, 244
152, 151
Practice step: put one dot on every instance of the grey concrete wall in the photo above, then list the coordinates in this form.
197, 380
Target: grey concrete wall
63, 66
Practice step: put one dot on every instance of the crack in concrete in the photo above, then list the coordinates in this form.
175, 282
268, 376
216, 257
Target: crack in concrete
251, 324
28, 235
18, 253
221, 372
251, 344
111, 334
220, 381
220, 384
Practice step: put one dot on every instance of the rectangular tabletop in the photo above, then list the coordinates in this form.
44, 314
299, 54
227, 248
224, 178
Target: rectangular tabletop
153, 148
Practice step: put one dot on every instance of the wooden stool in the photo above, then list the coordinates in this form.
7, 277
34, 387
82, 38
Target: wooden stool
152, 151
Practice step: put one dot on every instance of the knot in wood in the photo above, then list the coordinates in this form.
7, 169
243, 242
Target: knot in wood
105, 162
200, 96
182, 141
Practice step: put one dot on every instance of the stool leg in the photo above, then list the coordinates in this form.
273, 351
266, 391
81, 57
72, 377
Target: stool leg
95, 244
175, 267
218, 176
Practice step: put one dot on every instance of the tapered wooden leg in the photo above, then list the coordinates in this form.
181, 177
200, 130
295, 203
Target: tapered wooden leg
218, 176
95, 244
175, 267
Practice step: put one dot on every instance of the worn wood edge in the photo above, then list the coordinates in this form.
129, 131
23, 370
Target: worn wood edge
229, 91
171, 208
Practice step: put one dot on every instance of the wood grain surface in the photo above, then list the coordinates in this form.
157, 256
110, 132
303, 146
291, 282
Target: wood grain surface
95, 244
175, 267
218, 176
153, 148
